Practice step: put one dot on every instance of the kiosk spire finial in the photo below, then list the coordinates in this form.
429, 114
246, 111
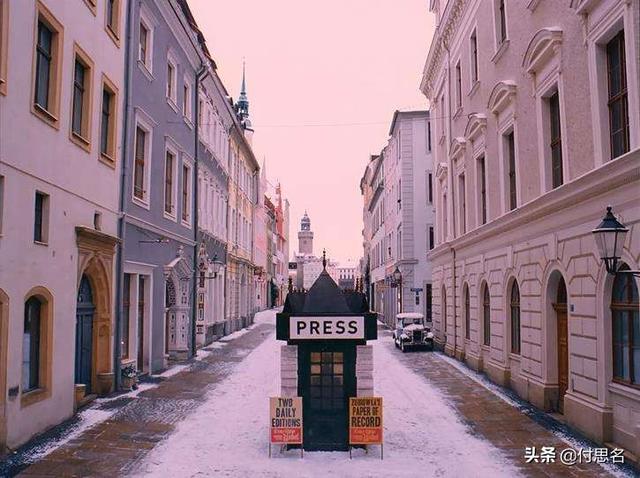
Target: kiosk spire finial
324, 259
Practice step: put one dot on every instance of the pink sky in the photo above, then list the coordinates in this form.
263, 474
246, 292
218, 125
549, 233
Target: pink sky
336, 64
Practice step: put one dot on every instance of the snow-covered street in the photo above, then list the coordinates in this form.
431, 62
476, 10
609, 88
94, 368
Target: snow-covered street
210, 417
228, 434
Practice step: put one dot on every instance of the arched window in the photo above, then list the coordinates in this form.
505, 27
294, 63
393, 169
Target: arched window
467, 313
444, 309
31, 344
515, 318
486, 315
626, 329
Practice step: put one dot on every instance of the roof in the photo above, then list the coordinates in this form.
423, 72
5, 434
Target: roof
325, 297
397, 113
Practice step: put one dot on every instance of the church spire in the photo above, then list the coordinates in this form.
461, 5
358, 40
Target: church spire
243, 100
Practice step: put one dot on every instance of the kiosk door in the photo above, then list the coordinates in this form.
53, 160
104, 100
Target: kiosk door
327, 381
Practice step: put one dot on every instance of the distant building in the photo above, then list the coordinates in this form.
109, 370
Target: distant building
347, 276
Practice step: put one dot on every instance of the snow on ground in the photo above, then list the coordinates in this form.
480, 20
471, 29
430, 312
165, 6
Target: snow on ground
228, 435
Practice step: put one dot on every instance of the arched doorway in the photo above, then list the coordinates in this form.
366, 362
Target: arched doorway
85, 309
560, 308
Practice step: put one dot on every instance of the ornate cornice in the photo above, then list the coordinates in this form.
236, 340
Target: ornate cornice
448, 27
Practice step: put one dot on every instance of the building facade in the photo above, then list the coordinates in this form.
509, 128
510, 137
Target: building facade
243, 198
520, 291
61, 83
159, 207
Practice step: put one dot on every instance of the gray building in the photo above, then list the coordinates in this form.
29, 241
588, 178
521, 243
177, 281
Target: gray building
159, 185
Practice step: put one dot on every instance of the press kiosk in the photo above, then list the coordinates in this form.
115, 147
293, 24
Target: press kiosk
326, 360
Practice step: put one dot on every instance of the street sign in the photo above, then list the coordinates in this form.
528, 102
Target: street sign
416, 289
285, 420
365, 420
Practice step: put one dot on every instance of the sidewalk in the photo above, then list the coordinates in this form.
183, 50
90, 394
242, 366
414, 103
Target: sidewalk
139, 420
502, 418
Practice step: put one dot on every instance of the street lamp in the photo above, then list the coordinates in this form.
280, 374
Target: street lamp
610, 236
397, 276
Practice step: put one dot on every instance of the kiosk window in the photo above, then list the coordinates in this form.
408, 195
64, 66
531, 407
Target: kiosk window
327, 381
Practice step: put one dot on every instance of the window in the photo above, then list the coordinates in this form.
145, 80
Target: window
486, 316
1, 201
463, 204
112, 19
444, 310
186, 192
502, 22
4, 44
467, 313
31, 345
618, 101
81, 106
399, 194
482, 189
515, 318
511, 164
169, 182
474, 57
47, 64
126, 317
143, 46
429, 302
431, 238
458, 85
555, 140
625, 315
171, 82
41, 218
186, 101
108, 120
430, 188
139, 169
428, 135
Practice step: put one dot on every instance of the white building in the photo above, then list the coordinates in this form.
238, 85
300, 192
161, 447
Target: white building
399, 204
61, 78
537, 131
312, 267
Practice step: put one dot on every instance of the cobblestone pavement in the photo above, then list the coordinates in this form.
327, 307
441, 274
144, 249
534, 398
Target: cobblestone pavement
510, 426
115, 446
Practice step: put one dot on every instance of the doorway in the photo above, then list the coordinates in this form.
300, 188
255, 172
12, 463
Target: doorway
84, 334
141, 318
326, 382
560, 308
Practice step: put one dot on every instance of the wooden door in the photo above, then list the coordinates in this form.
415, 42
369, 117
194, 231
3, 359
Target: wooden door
141, 324
327, 380
560, 308
84, 334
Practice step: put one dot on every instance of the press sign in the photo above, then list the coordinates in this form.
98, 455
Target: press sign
323, 328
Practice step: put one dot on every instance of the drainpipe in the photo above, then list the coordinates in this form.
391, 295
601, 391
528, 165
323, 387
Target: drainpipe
453, 203
202, 73
121, 213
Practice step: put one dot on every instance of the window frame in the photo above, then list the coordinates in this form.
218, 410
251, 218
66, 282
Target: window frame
467, 312
515, 319
473, 58
110, 156
149, 21
41, 225
628, 308
171, 91
481, 175
486, 315
4, 46
621, 97
113, 28
43, 391
511, 168
51, 113
172, 149
82, 139
146, 126
186, 198
187, 101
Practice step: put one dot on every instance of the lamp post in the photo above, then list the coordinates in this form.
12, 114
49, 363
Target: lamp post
397, 276
610, 236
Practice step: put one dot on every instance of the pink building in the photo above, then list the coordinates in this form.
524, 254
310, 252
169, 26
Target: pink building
536, 122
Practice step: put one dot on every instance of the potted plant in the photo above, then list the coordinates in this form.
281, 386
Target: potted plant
129, 375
